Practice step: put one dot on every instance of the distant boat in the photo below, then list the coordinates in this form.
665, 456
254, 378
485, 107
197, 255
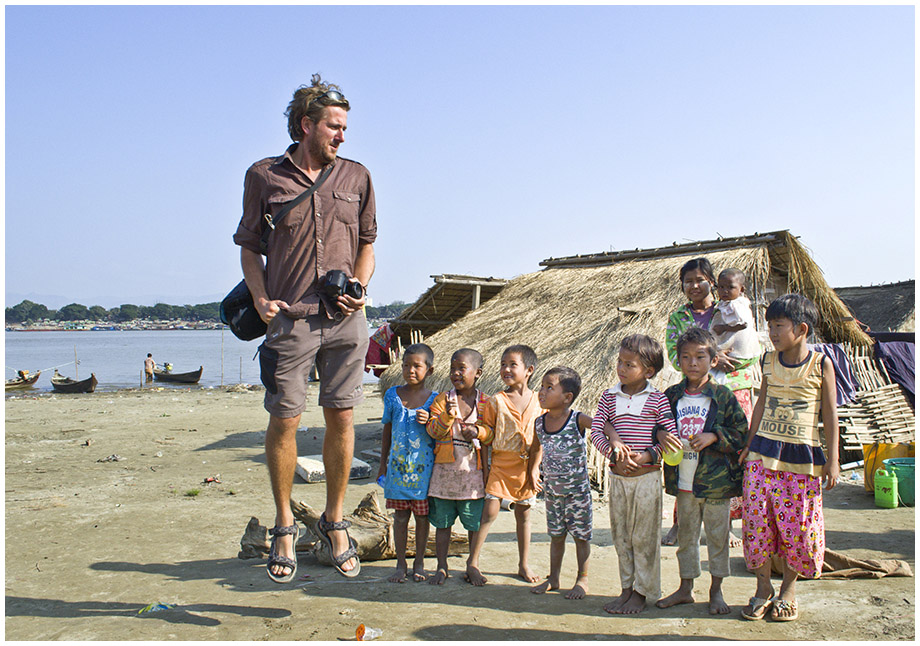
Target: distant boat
24, 380
62, 384
178, 377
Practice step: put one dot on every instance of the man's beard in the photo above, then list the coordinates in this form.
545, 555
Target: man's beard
320, 151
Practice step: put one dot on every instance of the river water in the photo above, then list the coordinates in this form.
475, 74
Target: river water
117, 357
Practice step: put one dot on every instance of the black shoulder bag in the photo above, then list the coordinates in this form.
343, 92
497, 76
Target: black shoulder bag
237, 310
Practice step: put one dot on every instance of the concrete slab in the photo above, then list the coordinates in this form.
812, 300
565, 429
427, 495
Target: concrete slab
371, 454
311, 469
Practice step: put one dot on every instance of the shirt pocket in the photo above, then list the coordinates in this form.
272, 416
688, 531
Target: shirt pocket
346, 206
279, 201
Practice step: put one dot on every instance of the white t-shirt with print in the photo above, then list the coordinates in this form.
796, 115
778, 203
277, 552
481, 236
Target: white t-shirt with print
691, 418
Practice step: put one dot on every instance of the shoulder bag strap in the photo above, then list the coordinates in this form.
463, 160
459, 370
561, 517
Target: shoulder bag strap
273, 221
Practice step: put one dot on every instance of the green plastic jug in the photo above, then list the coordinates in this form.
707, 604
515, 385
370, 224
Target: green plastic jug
886, 489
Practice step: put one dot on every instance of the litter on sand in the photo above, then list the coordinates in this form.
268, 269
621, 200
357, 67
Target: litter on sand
366, 633
112, 458
156, 607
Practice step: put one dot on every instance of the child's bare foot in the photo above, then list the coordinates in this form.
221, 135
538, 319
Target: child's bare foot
579, 590
399, 576
439, 577
717, 605
419, 573
527, 574
676, 598
549, 584
671, 537
734, 541
617, 603
474, 576
634, 605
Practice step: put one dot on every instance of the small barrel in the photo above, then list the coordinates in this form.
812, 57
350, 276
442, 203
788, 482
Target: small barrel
886, 489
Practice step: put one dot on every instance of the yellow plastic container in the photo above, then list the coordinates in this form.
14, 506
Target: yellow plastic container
886, 489
874, 454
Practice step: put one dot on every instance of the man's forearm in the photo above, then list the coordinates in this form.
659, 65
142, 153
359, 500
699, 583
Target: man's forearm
254, 273
365, 263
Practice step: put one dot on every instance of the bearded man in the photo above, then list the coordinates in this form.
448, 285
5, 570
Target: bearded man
332, 229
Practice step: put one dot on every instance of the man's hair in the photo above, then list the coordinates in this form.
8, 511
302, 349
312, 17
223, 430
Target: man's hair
569, 380
702, 264
796, 308
648, 349
527, 354
149, 355
473, 355
422, 349
698, 336
309, 102
735, 274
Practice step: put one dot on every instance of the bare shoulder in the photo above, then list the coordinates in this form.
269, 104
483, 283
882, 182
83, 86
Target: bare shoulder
827, 366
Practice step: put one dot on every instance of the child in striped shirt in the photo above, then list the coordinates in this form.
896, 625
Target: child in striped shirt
624, 429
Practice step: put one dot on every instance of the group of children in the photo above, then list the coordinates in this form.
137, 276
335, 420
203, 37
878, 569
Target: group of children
461, 452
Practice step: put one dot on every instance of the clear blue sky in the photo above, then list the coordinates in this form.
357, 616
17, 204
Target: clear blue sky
496, 136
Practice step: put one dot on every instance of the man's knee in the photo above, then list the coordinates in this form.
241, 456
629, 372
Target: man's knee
339, 419
282, 426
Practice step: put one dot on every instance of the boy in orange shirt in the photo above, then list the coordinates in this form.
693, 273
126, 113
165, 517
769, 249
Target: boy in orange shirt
514, 473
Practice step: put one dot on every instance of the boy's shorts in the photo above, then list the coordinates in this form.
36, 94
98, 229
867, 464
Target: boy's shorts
442, 513
291, 347
417, 507
572, 513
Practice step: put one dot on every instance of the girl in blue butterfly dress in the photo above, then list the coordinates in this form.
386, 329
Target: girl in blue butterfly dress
407, 458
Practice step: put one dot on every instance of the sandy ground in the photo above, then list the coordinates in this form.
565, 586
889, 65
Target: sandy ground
89, 543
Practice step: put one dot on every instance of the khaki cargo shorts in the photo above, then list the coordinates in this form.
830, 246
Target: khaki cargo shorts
287, 355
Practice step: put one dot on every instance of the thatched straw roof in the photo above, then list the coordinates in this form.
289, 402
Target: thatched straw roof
447, 301
884, 308
576, 316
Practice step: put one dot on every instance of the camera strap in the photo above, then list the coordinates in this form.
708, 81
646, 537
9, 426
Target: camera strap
273, 221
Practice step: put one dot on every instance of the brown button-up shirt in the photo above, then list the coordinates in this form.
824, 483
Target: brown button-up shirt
318, 235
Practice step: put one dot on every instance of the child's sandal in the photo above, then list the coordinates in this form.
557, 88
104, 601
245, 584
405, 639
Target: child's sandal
758, 608
781, 605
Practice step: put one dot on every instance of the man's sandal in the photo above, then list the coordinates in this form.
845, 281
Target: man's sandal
323, 526
758, 608
276, 559
781, 605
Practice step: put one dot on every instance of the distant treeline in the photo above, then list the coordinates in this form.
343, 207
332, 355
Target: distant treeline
29, 312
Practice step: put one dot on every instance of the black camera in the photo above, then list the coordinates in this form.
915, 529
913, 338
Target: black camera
336, 283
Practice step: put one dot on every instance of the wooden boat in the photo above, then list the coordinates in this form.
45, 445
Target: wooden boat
62, 384
178, 377
23, 380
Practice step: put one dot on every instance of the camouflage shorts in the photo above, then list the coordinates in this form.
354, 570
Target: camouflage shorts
570, 513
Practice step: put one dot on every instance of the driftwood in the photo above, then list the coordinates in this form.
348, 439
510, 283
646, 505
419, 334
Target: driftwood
371, 528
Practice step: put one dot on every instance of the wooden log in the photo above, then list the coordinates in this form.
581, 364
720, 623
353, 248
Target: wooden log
372, 530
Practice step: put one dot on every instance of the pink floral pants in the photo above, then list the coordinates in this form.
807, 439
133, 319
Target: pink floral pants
782, 515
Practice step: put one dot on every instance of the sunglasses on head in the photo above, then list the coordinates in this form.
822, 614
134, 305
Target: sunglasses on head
333, 96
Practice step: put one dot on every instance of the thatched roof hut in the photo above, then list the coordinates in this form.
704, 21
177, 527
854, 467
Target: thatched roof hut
884, 308
450, 298
577, 310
